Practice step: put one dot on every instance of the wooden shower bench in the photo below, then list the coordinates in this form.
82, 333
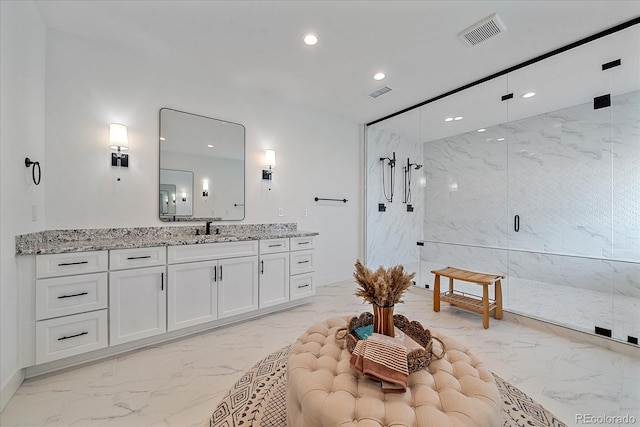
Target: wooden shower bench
480, 305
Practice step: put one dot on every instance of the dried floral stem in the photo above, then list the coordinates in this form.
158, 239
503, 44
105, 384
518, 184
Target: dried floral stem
384, 287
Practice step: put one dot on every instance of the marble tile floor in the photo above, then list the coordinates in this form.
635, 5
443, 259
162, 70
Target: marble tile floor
179, 383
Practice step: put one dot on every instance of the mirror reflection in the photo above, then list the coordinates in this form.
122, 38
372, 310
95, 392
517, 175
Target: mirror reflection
201, 168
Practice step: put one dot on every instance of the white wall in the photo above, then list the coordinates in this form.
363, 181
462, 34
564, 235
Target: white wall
22, 71
91, 85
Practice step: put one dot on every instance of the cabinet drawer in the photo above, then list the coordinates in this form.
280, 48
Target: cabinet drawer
67, 264
301, 286
302, 262
120, 259
62, 296
70, 335
272, 246
208, 251
302, 243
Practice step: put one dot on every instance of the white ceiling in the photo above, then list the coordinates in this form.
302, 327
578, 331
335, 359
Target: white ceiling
257, 45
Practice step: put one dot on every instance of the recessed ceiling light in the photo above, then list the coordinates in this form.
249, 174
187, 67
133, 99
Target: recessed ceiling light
448, 119
500, 139
529, 94
481, 130
209, 145
379, 76
310, 39
458, 118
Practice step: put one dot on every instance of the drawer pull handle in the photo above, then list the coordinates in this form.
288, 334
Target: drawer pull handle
73, 263
262, 267
73, 295
73, 336
221, 273
276, 246
303, 243
303, 262
162, 281
303, 286
139, 257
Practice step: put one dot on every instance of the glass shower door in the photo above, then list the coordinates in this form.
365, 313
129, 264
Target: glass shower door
560, 191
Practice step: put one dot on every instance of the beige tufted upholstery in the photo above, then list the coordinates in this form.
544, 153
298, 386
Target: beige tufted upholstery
323, 391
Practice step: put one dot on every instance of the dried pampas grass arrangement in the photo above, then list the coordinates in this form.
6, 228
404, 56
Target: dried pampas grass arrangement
384, 287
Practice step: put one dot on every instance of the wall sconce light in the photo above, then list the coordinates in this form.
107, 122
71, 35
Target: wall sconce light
269, 162
184, 196
205, 188
118, 140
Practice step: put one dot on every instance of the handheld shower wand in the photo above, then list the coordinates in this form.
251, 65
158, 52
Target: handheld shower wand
392, 168
407, 179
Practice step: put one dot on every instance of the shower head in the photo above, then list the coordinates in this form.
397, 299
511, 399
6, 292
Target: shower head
415, 165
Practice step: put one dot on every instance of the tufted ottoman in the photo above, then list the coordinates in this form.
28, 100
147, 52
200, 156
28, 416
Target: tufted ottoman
323, 390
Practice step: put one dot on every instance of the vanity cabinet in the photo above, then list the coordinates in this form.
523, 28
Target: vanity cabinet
302, 260
105, 302
137, 294
211, 281
274, 272
70, 304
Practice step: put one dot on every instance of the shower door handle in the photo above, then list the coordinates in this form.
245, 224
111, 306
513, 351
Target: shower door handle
516, 223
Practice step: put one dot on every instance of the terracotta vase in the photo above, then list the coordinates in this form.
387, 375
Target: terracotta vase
383, 320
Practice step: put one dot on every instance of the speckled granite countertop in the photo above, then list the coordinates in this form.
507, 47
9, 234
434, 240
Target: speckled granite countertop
97, 239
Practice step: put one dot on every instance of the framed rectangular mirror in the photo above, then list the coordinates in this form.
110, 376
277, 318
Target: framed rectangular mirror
201, 173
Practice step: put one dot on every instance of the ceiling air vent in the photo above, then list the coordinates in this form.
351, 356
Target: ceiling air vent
381, 91
482, 30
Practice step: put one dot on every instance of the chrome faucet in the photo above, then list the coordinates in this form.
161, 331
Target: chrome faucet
207, 229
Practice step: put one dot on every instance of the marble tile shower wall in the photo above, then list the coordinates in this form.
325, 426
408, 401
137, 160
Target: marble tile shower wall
392, 235
573, 178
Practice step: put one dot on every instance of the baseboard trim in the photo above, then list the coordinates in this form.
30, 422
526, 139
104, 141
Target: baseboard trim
10, 387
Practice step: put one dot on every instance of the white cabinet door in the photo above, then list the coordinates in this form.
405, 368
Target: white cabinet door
70, 335
302, 262
271, 246
301, 286
192, 294
237, 286
54, 265
137, 304
274, 279
62, 296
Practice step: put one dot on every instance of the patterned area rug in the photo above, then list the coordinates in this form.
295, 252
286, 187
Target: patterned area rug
258, 399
